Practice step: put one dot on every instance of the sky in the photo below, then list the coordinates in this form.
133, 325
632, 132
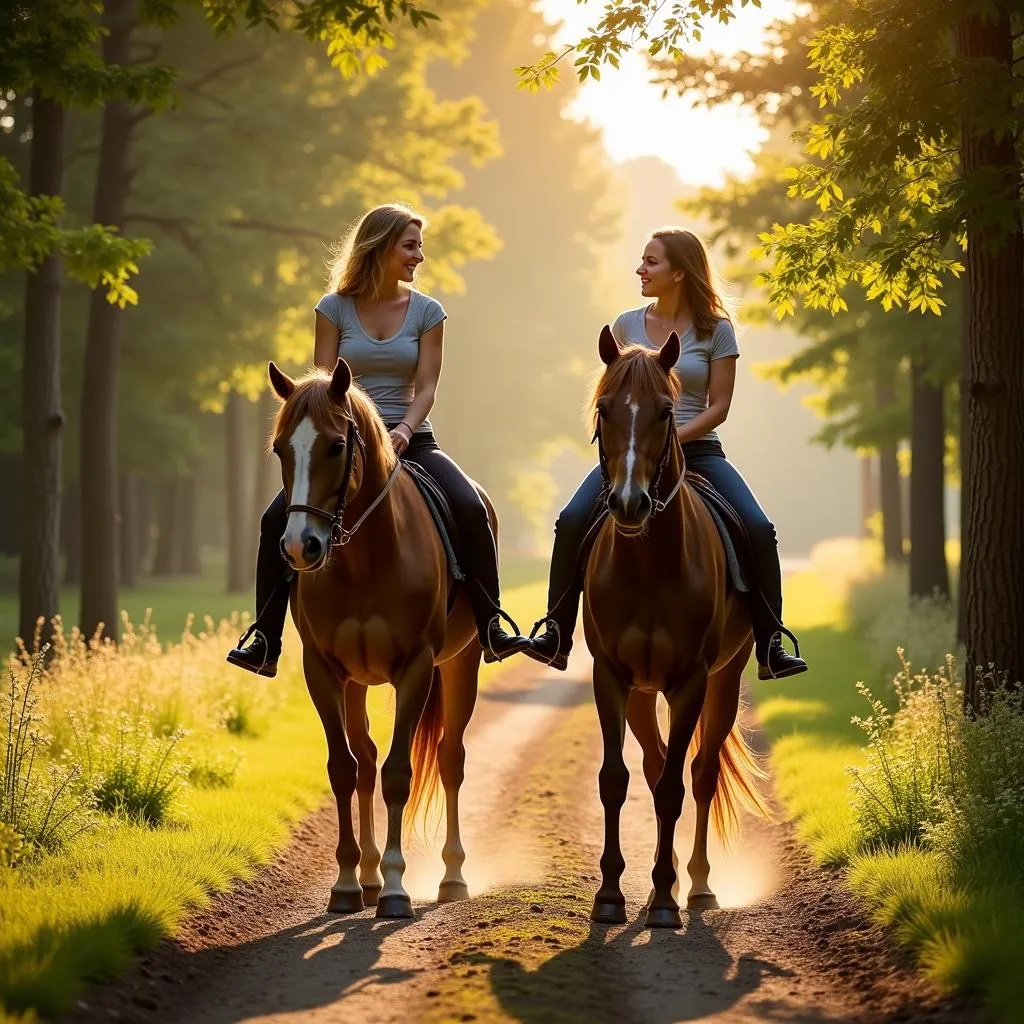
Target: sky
702, 145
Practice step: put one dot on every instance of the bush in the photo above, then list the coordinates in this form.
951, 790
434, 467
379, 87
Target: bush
42, 803
213, 771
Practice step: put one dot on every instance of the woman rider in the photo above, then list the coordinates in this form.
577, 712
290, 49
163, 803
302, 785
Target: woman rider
392, 338
675, 273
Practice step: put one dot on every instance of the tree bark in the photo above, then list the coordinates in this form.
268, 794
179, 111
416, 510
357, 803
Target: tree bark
965, 453
188, 525
992, 567
102, 354
266, 478
42, 415
128, 497
929, 574
889, 487
71, 529
167, 560
239, 569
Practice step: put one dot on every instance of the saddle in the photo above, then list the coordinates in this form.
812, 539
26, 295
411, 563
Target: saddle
731, 531
444, 520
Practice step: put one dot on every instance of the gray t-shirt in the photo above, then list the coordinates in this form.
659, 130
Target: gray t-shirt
386, 370
694, 367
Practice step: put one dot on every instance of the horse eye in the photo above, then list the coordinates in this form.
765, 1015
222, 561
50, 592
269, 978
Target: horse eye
337, 447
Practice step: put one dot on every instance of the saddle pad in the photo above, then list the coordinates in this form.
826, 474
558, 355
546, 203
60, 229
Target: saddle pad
441, 513
730, 529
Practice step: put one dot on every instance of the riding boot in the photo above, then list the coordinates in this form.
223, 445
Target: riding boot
259, 648
497, 642
773, 660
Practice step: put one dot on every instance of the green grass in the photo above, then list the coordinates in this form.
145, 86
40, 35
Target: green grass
966, 929
73, 917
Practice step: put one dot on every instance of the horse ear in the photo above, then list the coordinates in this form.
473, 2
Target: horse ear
282, 384
608, 346
668, 355
341, 380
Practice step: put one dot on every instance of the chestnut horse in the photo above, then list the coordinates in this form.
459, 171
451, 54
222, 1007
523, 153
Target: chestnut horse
371, 606
659, 617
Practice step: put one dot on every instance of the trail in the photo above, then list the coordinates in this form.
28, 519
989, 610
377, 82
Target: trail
788, 944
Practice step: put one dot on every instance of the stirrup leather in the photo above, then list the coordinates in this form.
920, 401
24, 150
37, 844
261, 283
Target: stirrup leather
552, 626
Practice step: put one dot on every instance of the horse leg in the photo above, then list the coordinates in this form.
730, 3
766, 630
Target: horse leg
357, 725
642, 716
717, 719
327, 693
610, 693
458, 698
412, 686
685, 705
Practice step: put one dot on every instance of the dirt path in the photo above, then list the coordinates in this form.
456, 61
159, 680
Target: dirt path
787, 945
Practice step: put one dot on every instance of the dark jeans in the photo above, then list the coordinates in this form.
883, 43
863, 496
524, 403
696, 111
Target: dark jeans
708, 459
470, 518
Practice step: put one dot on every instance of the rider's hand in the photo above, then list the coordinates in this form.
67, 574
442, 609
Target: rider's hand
400, 439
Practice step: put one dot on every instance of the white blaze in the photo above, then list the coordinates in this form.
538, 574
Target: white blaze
634, 408
302, 441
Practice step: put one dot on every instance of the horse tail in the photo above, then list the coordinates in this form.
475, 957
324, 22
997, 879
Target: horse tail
739, 788
426, 774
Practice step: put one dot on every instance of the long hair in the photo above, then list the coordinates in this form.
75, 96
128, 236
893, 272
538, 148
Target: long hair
686, 253
358, 264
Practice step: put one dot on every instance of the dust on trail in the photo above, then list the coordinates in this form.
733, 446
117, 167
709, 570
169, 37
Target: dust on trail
788, 945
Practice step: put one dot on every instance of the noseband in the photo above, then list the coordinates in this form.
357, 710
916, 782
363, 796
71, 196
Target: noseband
657, 504
339, 534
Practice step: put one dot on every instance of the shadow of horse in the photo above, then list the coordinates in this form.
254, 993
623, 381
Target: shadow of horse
300, 968
617, 976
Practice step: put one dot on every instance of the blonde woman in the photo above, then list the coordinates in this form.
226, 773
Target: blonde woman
675, 273
392, 337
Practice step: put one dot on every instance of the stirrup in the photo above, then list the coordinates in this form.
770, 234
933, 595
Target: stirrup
247, 635
552, 627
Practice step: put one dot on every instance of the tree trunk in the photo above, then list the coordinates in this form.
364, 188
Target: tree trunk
868, 504
929, 575
889, 486
266, 478
965, 451
128, 494
239, 569
188, 525
167, 561
102, 353
992, 566
71, 528
143, 522
42, 416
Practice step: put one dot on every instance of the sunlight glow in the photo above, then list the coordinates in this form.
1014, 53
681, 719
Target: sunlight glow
703, 145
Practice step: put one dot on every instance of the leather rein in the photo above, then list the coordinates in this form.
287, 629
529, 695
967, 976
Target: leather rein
340, 534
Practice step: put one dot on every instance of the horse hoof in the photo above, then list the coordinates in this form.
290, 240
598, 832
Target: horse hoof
608, 913
370, 894
345, 902
702, 901
452, 892
663, 917
394, 907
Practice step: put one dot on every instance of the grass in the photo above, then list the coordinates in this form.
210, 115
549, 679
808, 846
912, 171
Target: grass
954, 896
252, 763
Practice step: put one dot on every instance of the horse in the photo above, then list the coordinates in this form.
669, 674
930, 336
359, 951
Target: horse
658, 616
370, 602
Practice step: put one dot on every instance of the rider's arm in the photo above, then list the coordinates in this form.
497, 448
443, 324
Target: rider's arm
325, 343
428, 373
721, 383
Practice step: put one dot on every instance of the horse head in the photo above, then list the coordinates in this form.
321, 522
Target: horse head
318, 437
632, 406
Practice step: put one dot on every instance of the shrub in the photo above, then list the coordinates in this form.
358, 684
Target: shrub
214, 771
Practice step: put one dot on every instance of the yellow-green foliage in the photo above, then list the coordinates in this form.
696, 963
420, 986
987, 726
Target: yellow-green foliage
930, 827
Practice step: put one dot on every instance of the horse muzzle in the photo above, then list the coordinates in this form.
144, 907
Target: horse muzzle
306, 553
630, 512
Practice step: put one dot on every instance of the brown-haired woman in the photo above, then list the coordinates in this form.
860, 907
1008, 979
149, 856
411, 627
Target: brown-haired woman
676, 274
392, 338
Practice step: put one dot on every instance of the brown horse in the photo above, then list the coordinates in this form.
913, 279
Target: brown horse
370, 604
658, 617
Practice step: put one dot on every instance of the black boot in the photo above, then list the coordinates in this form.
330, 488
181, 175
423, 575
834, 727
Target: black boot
548, 648
260, 656
499, 644
777, 662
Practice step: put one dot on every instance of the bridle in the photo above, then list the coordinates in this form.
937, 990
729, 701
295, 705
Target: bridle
340, 536
658, 505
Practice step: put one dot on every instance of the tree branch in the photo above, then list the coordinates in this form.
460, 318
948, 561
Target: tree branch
273, 229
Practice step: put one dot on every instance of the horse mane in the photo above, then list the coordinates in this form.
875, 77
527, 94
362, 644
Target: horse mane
312, 398
636, 368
